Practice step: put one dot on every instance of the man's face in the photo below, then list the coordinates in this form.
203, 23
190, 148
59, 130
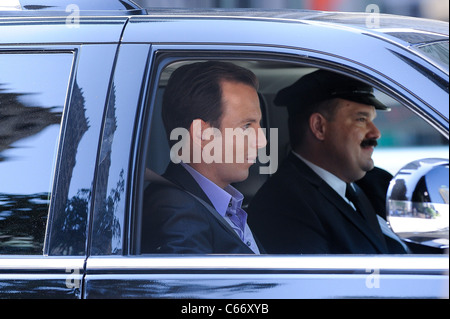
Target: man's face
241, 134
350, 139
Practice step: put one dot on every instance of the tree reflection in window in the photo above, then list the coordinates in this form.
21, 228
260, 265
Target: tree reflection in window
22, 216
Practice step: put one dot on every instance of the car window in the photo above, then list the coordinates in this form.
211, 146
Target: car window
33, 89
405, 136
437, 51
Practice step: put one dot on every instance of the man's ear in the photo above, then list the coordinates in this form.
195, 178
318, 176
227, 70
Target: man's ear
317, 125
196, 130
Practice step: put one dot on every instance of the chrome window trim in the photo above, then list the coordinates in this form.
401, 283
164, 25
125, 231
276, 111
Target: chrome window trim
10, 5
435, 264
41, 264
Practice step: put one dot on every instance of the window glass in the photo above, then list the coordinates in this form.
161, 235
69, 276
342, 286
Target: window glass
405, 135
438, 51
33, 89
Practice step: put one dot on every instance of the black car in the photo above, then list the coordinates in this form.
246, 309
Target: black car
80, 97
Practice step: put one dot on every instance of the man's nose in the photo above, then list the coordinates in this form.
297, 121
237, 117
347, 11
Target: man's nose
374, 131
261, 140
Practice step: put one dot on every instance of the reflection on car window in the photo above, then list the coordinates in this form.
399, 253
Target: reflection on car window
438, 51
33, 90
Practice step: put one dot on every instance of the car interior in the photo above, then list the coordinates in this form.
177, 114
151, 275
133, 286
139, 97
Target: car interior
274, 76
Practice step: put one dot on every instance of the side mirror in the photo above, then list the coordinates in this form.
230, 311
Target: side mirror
418, 201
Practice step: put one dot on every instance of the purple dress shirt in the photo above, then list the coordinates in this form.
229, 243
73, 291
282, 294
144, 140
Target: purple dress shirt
227, 202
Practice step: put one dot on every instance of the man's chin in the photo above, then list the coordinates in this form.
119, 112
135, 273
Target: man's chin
367, 168
363, 171
240, 176
367, 165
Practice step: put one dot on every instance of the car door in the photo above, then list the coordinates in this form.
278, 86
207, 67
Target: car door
54, 84
150, 47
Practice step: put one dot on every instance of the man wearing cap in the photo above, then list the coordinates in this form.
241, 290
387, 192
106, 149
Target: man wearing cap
311, 204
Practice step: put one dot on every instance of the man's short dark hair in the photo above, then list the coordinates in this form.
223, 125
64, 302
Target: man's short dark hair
194, 91
298, 123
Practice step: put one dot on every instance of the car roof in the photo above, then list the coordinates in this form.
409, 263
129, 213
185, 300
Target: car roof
57, 7
409, 29
402, 30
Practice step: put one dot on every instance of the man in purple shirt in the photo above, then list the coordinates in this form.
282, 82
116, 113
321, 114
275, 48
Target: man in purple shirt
199, 212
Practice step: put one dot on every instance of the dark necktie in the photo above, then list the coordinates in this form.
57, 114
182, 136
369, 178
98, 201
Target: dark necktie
351, 195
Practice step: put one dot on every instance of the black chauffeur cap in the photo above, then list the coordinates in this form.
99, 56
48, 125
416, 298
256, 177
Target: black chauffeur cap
323, 85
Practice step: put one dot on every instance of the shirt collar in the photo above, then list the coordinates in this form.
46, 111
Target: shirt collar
220, 198
335, 182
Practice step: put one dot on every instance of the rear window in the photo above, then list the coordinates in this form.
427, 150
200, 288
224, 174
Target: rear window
437, 51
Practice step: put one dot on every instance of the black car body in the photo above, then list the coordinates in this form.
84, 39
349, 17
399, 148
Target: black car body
80, 89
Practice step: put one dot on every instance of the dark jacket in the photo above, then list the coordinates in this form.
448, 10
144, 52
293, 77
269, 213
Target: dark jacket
296, 211
176, 222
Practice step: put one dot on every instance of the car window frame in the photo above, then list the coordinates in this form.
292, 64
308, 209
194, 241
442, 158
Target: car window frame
164, 55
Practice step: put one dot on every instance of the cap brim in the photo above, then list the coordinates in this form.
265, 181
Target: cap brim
367, 99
